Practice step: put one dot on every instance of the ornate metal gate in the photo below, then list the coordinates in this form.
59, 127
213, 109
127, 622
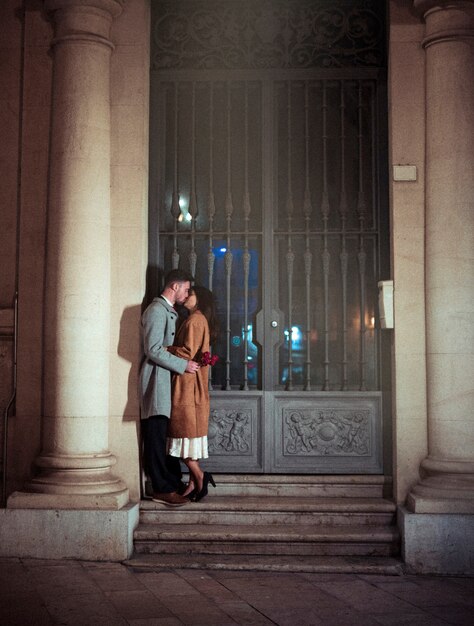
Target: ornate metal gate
267, 160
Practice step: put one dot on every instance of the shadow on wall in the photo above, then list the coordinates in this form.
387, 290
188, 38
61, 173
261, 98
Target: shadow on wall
129, 348
129, 345
154, 279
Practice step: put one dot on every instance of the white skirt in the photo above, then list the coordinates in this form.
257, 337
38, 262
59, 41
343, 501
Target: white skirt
194, 448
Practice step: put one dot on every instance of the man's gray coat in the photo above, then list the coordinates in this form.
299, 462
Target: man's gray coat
158, 330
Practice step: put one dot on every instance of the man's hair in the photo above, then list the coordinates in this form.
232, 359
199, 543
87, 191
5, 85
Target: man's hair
177, 276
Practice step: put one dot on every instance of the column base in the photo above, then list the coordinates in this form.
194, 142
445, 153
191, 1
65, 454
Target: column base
58, 534
437, 543
72, 482
446, 487
72, 502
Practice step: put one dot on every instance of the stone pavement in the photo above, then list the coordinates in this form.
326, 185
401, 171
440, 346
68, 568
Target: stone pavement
36, 592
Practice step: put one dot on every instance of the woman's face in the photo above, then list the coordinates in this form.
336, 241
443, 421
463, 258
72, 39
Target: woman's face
191, 302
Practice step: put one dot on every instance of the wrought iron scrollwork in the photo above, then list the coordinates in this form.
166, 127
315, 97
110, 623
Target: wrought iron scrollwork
253, 34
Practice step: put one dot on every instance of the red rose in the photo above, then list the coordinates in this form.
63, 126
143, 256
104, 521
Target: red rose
209, 359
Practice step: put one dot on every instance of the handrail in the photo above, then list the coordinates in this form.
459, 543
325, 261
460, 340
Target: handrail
10, 403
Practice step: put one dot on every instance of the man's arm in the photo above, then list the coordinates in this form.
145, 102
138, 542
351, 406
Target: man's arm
154, 325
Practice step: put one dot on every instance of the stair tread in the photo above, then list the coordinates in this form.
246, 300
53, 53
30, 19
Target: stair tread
303, 479
269, 532
310, 564
296, 504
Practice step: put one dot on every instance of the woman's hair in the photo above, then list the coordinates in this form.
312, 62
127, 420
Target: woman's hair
207, 305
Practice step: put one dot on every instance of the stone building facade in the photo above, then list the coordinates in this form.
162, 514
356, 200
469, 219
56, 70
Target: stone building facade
74, 240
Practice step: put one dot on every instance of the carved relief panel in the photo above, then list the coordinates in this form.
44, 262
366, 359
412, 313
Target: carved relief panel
230, 431
342, 432
329, 431
235, 432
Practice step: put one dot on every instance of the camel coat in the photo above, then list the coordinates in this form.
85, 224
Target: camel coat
190, 392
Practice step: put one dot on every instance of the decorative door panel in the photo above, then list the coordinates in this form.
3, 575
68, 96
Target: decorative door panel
235, 432
267, 185
330, 431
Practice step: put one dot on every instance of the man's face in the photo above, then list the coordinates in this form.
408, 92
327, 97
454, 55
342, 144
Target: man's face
182, 292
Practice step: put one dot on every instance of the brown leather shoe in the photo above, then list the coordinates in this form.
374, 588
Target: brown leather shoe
170, 499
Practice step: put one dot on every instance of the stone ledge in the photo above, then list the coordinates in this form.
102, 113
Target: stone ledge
68, 534
437, 543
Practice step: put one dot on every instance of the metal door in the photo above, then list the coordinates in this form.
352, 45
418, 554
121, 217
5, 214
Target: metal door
266, 185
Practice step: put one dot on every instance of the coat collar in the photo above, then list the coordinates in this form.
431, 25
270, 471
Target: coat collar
167, 306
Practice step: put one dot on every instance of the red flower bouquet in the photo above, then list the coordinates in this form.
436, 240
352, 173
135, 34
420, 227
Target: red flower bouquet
209, 359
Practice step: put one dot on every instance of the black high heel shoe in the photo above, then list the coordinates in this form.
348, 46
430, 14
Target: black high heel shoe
205, 483
192, 494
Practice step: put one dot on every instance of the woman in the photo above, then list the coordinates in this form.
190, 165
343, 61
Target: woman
188, 425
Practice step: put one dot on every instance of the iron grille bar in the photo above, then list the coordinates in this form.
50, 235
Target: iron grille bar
193, 206
246, 256
375, 204
229, 208
290, 257
175, 208
307, 210
326, 257
361, 255
343, 255
211, 204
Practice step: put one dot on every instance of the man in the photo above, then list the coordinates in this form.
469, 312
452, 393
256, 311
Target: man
158, 330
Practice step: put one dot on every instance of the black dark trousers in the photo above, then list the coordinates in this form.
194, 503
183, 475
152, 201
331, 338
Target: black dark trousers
163, 470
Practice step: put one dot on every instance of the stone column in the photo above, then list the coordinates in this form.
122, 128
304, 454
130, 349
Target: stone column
75, 463
447, 474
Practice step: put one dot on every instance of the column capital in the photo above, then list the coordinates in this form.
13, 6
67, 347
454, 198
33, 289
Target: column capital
113, 7
425, 6
83, 20
446, 20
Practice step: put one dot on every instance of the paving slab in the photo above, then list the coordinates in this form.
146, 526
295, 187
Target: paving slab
137, 604
70, 593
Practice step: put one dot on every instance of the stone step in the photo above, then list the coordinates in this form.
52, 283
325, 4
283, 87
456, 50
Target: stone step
220, 548
273, 510
333, 486
225, 539
271, 563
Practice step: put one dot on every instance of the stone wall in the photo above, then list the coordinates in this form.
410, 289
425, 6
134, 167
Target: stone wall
407, 147
129, 217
